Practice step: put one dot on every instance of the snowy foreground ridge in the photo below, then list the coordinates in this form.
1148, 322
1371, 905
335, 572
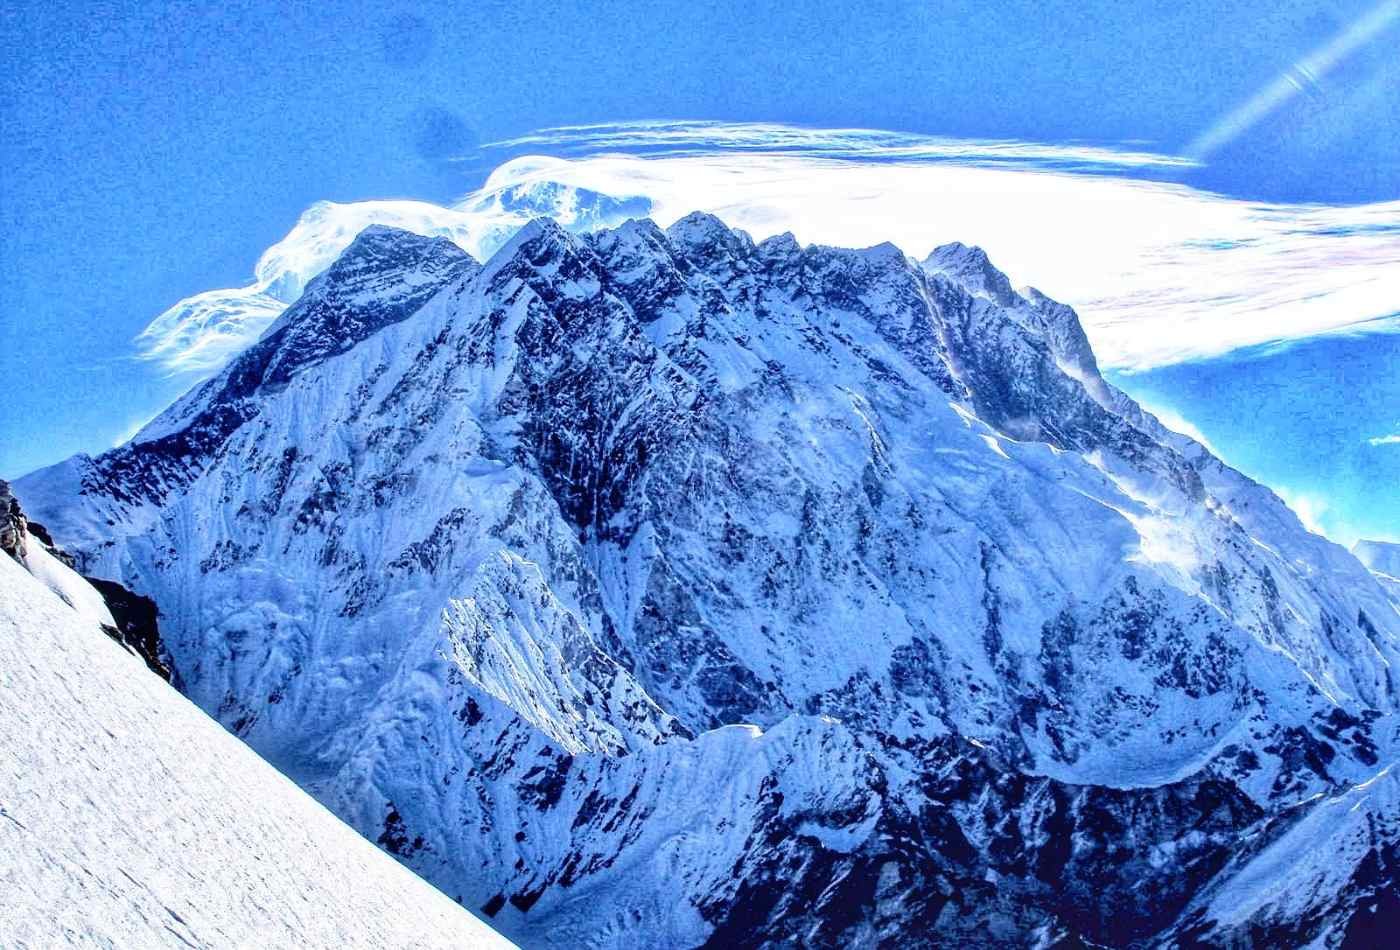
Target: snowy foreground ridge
652, 588
128, 818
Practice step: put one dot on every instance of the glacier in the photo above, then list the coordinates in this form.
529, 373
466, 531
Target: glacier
643, 587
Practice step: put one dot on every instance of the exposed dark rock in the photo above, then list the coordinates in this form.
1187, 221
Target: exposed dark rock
41, 534
395, 838
137, 627
13, 524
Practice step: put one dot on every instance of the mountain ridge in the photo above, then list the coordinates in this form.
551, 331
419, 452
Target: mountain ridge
611, 492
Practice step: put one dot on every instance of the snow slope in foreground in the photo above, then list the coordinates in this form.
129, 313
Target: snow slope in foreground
129, 818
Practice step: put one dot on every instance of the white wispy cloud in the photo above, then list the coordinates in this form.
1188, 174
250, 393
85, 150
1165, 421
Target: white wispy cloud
703, 138
200, 333
1385, 440
1159, 272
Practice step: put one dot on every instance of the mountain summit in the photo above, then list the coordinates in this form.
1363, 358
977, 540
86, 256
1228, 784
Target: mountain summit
658, 587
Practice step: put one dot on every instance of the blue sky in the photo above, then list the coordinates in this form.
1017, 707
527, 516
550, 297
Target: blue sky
1318, 421
154, 150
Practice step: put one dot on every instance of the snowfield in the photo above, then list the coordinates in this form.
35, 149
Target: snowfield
128, 818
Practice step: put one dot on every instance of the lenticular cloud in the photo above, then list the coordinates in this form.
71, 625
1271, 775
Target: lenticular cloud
1159, 272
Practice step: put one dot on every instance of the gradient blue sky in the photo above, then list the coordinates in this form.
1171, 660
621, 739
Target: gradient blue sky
152, 150
1307, 419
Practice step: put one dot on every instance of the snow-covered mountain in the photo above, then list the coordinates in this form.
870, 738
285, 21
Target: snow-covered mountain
128, 818
661, 588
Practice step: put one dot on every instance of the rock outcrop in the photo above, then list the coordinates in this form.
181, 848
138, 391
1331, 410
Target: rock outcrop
14, 527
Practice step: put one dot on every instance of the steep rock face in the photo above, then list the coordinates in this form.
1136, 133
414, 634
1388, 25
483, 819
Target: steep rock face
1324, 872
496, 568
380, 279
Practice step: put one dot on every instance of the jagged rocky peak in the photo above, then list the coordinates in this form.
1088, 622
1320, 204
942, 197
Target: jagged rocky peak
522, 569
538, 240
383, 248
705, 238
642, 263
1065, 334
701, 233
973, 269
383, 276
779, 246
559, 268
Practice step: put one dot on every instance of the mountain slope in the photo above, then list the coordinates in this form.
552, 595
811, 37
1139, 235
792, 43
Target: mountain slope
128, 818
503, 581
